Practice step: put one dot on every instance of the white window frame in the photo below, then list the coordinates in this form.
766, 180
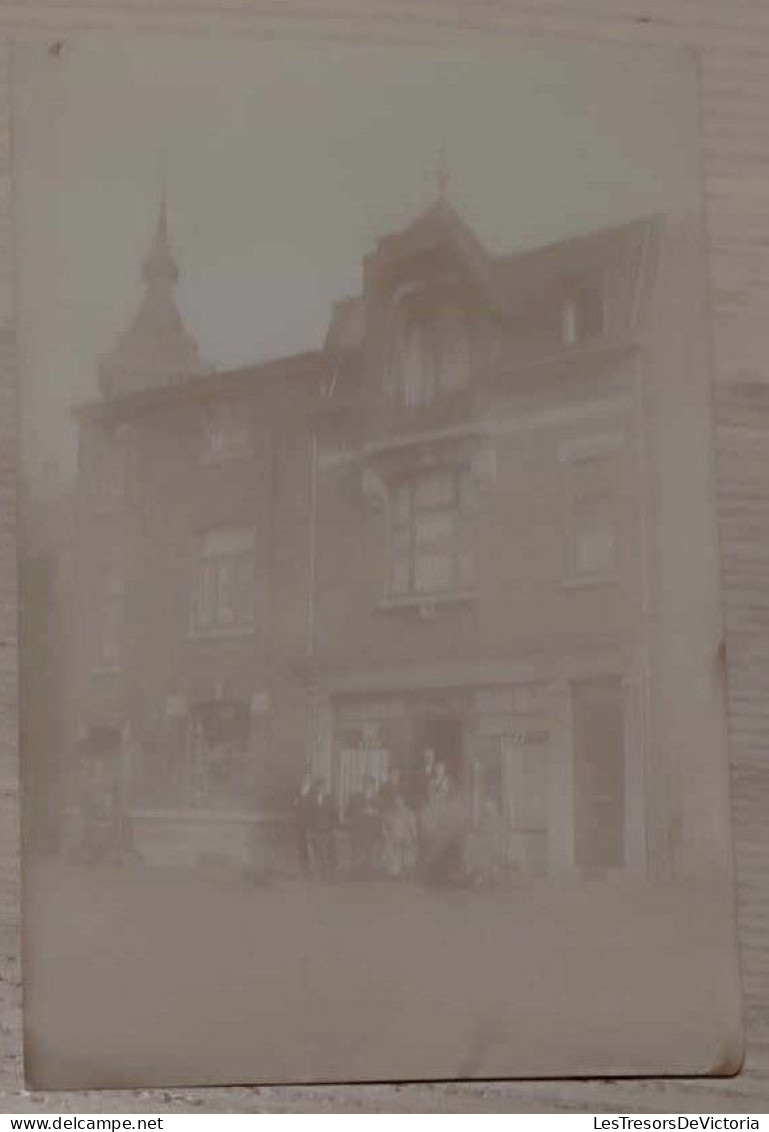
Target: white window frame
223, 600
412, 545
592, 514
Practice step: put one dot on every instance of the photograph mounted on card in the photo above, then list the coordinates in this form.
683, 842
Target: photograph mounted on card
372, 691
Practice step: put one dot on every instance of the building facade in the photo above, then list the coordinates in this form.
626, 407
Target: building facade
434, 532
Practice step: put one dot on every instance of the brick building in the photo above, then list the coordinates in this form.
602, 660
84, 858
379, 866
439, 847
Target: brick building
436, 531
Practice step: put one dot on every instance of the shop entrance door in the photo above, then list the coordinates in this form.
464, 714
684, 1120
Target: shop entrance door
444, 736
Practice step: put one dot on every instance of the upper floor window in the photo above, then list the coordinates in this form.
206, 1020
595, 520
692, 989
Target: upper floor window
223, 595
592, 550
226, 434
433, 353
428, 554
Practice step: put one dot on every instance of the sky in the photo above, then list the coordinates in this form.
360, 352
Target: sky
283, 162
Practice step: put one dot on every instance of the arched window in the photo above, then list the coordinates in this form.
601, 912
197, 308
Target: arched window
417, 372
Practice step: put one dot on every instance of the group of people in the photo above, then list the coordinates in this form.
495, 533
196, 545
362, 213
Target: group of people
395, 828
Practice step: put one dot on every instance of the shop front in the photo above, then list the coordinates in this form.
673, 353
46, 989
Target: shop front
497, 747
551, 761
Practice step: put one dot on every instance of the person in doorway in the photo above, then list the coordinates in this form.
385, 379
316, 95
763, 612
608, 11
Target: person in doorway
440, 785
390, 790
442, 831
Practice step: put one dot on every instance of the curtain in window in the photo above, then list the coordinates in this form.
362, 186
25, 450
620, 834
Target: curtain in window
357, 766
427, 555
224, 582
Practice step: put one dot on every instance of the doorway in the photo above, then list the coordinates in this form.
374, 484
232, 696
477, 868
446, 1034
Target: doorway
444, 736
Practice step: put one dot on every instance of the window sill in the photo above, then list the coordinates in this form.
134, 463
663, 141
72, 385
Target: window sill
588, 581
426, 605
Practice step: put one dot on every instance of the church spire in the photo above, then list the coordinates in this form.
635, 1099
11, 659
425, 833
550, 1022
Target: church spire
155, 350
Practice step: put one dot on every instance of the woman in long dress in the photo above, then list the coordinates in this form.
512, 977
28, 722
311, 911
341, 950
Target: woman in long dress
400, 839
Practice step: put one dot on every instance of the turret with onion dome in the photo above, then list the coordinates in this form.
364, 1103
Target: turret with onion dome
156, 350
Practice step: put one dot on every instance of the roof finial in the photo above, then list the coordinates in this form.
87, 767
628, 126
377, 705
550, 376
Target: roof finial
162, 229
160, 264
442, 170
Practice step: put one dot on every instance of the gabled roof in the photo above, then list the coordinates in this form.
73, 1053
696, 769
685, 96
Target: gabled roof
509, 285
621, 252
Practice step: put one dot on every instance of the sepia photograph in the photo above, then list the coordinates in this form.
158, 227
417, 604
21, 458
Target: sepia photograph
372, 669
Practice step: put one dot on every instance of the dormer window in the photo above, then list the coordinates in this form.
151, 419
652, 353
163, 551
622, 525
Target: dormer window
432, 352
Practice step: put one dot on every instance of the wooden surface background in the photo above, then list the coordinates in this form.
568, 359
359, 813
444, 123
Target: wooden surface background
732, 40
